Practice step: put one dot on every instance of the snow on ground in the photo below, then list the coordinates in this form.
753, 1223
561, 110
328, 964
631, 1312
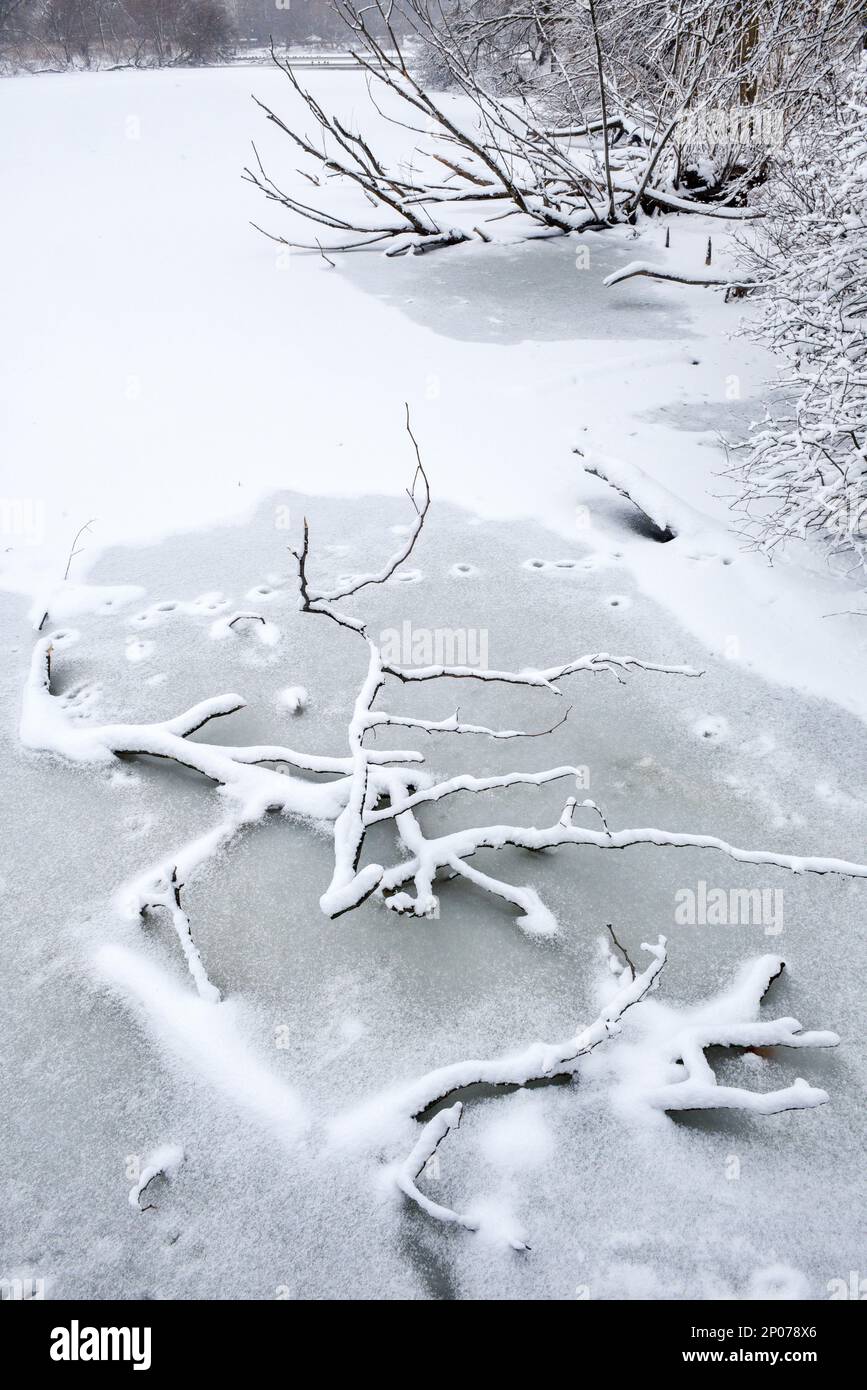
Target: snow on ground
167, 367
177, 378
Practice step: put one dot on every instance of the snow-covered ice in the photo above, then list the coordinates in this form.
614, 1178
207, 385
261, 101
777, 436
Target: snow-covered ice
198, 417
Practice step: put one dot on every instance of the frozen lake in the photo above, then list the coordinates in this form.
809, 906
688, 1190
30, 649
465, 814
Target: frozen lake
199, 400
338, 1010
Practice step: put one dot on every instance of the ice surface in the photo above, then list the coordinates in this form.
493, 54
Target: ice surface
220, 376
106, 1053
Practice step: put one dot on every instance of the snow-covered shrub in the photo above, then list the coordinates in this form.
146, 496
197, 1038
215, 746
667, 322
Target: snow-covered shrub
803, 472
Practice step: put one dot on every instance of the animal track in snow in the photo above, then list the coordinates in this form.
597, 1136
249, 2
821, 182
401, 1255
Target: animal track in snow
711, 728
294, 697
124, 777
137, 650
539, 565
205, 604
619, 601
137, 825
80, 701
463, 571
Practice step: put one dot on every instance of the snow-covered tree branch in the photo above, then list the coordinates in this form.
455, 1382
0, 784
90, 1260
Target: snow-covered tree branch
675, 1050
367, 787
601, 110
803, 472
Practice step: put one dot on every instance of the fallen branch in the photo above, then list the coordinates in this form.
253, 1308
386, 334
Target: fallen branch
163, 1162
168, 897
365, 788
538, 1062
653, 272
729, 1020
697, 1087
670, 200
422, 1151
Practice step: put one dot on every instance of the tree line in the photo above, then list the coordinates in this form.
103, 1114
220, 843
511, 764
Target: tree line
56, 34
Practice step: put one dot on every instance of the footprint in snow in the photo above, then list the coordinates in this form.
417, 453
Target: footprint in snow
294, 697
536, 564
209, 603
137, 650
712, 728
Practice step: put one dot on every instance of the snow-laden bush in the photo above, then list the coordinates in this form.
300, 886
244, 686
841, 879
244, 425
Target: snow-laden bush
803, 472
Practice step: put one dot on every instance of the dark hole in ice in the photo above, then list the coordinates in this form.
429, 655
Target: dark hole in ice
640, 524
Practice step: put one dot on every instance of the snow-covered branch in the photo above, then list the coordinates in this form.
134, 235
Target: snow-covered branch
802, 475
164, 1162
499, 147
540, 1061
729, 1020
679, 277
168, 897
365, 787
429, 1140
